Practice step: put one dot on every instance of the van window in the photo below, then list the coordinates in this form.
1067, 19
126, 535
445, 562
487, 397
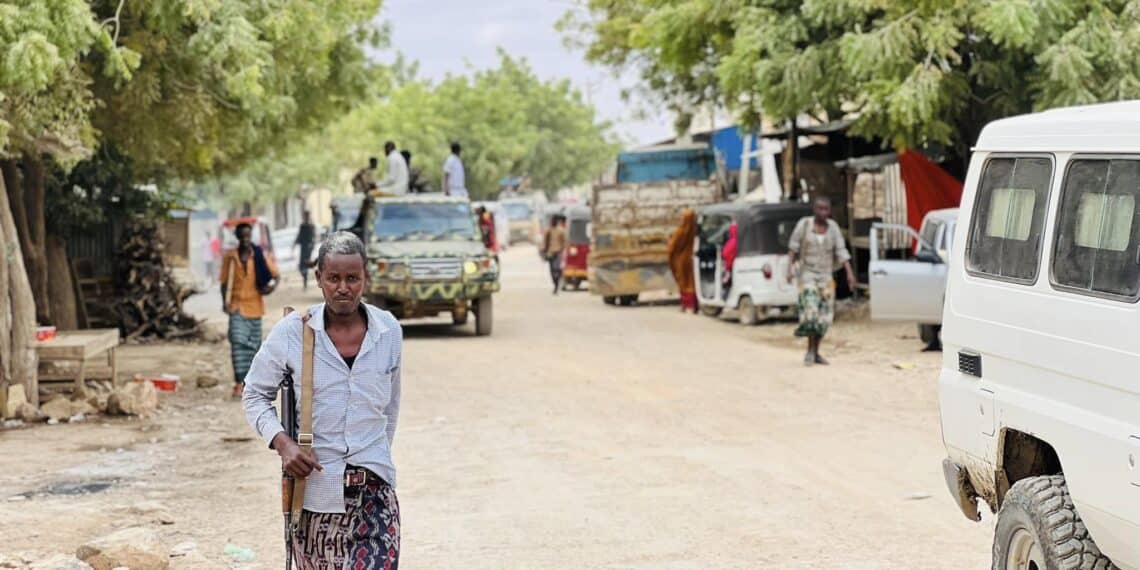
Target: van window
1009, 218
929, 233
1098, 234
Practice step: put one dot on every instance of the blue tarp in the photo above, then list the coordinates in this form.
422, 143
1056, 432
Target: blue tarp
666, 164
728, 142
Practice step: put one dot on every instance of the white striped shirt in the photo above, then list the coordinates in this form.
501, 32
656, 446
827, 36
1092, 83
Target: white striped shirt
354, 410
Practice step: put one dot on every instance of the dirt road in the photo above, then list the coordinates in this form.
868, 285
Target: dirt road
578, 436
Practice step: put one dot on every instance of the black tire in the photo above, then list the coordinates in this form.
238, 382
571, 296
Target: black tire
577, 284
609, 300
930, 335
484, 316
628, 300
746, 311
1041, 508
710, 311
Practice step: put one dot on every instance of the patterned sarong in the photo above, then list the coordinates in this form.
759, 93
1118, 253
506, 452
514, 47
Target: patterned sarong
365, 537
816, 305
245, 340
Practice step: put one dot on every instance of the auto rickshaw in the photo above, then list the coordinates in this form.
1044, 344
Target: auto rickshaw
577, 246
759, 284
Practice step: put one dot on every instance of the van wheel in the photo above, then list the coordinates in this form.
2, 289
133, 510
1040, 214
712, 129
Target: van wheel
1038, 528
484, 316
747, 311
609, 300
931, 336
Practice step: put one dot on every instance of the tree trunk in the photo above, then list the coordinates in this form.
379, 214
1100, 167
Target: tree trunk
789, 165
35, 245
19, 338
61, 290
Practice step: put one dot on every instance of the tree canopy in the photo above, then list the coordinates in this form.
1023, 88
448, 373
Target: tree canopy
908, 71
509, 122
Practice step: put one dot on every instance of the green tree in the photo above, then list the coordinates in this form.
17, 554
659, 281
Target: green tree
908, 71
507, 119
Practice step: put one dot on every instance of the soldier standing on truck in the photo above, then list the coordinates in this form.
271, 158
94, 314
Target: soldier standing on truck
817, 244
454, 176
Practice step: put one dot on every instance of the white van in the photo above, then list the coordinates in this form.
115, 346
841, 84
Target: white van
1038, 391
912, 290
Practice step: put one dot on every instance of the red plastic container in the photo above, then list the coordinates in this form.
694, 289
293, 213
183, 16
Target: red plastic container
165, 382
45, 333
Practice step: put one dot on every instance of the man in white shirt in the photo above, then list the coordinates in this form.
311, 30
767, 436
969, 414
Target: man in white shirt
396, 179
454, 179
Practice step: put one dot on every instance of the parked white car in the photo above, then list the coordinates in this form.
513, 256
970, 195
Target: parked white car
912, 290
1039, 400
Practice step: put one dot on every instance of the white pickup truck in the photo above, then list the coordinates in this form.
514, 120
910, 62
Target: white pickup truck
913, 290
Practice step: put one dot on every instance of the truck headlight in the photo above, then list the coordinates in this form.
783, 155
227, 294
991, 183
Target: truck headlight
470, 267
398, 270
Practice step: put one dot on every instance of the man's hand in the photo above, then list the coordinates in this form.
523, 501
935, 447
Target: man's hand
270, 287
851, 283
294, 460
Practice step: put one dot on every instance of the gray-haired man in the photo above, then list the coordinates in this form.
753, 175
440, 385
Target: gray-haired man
351, 515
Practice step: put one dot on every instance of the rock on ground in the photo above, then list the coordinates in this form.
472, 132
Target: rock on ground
207, 381
16, 397
133, 399
135, 548
58, 409
31, 414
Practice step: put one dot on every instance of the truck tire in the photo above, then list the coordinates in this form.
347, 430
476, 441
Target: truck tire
746, 311
609, 300
628, 300
1038, 527
484, 316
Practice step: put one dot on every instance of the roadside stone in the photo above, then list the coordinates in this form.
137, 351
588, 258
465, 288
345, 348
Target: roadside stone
136, 548
16, 398
58, 409
133, 399
208, 381
155, 511
60, 562
98, 401
31, 414
80, 407
12, 424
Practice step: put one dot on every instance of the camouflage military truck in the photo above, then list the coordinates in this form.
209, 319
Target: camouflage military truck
426, 257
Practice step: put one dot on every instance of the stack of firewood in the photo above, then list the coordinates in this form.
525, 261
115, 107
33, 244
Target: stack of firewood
148, 300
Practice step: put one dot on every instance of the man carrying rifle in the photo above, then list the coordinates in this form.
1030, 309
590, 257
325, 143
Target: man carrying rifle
351, 517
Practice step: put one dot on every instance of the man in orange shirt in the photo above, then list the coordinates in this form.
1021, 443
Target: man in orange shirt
247, 276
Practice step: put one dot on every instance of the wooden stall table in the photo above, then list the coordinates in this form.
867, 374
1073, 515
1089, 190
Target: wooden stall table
77, 347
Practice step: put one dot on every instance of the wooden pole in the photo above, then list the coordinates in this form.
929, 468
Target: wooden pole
21, 338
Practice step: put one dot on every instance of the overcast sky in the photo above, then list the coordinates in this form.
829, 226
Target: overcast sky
452, 36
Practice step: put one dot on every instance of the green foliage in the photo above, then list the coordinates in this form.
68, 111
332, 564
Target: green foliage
909, 71
508, 120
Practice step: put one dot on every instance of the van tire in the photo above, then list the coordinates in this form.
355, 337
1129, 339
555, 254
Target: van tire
746, 311
484, 316
710, 311
1041, 508
930, 335
609, 300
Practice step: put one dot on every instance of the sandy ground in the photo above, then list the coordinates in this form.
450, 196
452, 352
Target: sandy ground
578, 436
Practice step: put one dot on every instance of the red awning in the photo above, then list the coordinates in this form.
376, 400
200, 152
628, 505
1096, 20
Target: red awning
928, 187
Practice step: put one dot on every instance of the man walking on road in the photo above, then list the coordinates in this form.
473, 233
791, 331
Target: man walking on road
247, 275
351, 518
396, 179
817, 244
552, 245
306, 237
454, 176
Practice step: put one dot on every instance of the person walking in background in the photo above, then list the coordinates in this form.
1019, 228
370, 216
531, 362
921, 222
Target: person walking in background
247, 276
365, 179
395, 181
728, 256
209, 258
306, 238
454, 176
351, 516
681, 259
815, 248
553, 243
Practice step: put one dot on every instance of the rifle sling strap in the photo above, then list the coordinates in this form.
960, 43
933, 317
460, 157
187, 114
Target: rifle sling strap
305, 427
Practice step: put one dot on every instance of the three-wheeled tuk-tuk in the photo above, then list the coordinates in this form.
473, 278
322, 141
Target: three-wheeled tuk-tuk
759, 284
577, 246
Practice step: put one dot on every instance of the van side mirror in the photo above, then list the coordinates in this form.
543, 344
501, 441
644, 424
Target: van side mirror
926, 255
